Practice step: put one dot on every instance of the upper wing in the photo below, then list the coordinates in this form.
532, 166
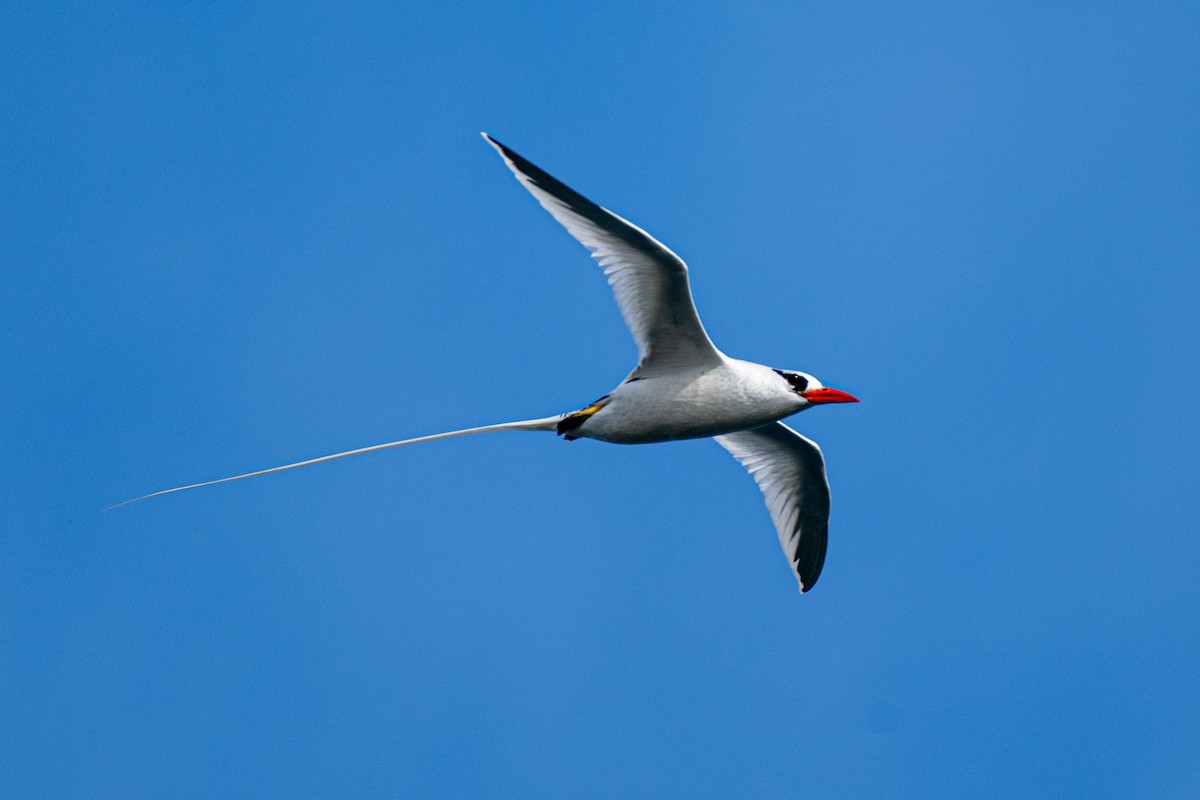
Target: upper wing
649, 281
790, 471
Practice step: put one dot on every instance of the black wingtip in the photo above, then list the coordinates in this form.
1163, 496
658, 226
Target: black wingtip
515, 158
496, 144
810, 570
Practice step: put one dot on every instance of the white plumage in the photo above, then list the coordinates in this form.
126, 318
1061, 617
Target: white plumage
683, 387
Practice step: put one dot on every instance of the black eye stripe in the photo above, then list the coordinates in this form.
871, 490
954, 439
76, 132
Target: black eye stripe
798, 382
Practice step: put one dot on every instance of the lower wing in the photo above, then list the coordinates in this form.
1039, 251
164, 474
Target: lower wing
790, 471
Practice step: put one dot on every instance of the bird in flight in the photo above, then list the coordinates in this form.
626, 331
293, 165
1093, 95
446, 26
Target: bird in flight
683, 387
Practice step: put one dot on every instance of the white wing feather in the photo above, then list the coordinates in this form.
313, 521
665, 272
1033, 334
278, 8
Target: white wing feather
649, 281
790, 471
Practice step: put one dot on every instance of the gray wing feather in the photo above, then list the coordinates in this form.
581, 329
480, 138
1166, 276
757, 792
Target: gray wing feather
790, 471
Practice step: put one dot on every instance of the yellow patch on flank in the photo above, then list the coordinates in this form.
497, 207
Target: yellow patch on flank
572, 421
592, 409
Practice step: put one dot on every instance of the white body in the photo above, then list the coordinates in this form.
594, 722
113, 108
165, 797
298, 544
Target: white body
688, 404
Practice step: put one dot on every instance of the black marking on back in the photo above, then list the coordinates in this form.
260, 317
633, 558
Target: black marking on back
568, 424
573, 421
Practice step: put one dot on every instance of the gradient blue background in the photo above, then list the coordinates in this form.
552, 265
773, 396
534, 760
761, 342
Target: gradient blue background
236, 237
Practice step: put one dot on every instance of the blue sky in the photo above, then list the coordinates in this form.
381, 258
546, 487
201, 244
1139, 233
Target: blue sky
236, 237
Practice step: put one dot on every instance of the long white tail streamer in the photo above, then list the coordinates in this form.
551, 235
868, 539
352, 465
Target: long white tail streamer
544, 424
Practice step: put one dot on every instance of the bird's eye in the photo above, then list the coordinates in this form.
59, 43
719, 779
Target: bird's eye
798, 382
